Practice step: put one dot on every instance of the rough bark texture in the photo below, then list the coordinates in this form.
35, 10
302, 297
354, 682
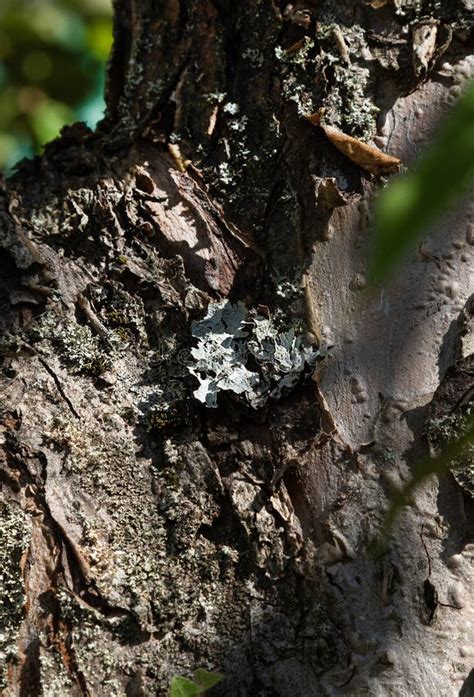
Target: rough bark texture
144, 534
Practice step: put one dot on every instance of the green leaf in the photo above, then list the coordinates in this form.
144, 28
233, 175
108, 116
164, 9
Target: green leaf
182, 687
204, 679
413, 201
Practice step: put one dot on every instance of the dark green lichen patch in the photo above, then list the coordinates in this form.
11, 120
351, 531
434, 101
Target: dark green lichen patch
167, 409
451, 416
443, 432
123, 312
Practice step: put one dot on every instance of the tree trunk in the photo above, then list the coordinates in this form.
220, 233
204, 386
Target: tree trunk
172, 500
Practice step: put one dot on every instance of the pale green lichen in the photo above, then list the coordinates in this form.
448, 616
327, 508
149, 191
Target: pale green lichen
242, 353
295, 66
83, 351
348, 103
54, 679
298, 57
98, 659
75, 344
79, 348
404, 6
86, 449
15, 533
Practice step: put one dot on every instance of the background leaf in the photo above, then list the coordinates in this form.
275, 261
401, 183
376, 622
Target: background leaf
182, 687
52, 67
204, 679
413, 201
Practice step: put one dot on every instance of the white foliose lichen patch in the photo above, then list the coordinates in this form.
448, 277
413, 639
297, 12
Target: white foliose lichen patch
242, 353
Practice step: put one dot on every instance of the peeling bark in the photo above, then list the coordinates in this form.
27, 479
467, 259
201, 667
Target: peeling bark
145, 535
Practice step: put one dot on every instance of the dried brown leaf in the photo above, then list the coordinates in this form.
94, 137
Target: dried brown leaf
376, 4
366, 156
180, 164
296, 46
212, 121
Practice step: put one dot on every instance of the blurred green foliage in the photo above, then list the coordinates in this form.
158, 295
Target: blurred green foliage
403, 212
52, 68
413, 201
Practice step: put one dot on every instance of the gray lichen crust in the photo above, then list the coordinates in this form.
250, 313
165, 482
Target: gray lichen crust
242, 353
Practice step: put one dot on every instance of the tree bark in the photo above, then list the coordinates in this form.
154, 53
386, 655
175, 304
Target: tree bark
145, 534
